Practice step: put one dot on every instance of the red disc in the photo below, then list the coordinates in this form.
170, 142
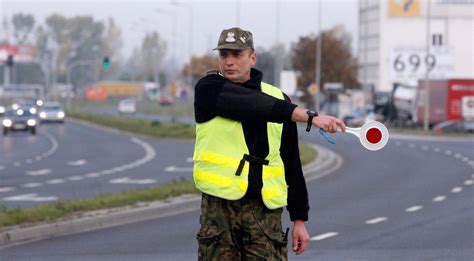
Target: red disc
374, 135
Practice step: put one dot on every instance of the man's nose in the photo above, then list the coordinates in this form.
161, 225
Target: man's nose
229, 60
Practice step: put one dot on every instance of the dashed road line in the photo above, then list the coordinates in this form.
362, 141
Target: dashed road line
439, 198
375, 220
324, 236
55, 181
413, 209
6, 189
75, 178
32, 185
17, 164
456, 190
468, 182
38, 172
448, 152
436, 150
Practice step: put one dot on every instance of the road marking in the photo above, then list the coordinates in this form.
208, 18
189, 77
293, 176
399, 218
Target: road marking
108, 171
324, 236
127, 180
29, 197
465, 159
77, 162
32, 185
189, 159
177, 169
38, 158
457, 155
17, 164
55, 181
2, 167
411, 145
92, 175
468, 182
6, 189
38, 172
53, 148
439, 198
375, 220
75, 178
425, 147
29, 161
456, 190
448, 152
413, 209
437, 150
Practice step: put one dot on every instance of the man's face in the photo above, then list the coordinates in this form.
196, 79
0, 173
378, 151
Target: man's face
236, 64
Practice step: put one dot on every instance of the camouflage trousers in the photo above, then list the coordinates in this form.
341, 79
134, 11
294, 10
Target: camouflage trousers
240, 230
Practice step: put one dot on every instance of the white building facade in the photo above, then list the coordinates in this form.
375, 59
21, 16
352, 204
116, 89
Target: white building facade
394, 35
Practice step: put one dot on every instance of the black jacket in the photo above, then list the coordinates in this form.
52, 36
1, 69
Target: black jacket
218, 96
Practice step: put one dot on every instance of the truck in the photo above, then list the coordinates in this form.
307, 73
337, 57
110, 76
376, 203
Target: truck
450, 99
123, 89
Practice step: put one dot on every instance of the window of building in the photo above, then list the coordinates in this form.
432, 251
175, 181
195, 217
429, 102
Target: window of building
437, 39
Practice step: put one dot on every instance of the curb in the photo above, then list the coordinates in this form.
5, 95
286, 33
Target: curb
326, 163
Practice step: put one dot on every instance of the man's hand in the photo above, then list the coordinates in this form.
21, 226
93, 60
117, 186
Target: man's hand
300, 237
329, 123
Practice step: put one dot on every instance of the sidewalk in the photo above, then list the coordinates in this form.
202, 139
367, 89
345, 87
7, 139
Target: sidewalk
326, 162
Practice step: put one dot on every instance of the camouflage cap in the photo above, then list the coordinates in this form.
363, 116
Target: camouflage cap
235, 39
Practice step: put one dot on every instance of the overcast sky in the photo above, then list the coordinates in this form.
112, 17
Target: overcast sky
296, 18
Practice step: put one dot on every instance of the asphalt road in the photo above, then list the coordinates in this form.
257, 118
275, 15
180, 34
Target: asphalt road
413, 200
75, 161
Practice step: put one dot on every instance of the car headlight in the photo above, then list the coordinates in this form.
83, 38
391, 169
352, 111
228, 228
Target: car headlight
39, 103
31, 122
20, 112
61, 114
15, 106
7, 123
2, 109
33, 110
42, 114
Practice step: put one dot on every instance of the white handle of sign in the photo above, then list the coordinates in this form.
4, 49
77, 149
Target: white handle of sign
373, 135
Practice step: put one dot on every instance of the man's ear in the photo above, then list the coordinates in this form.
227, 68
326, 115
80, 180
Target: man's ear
253, 58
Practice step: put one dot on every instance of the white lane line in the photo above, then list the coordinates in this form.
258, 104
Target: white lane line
190, 159
465, 159
468, 182
6, 189
92, 175
437, 150
17, 164
2, 167
32, 185
375, 220
38, 172
413, 209
75, 178
324, 236
29, 197
53, 148
38, 158
55, 181
77, 162
108, 171
439, 198
177, 169
456, 190
425, 147
457, 155
448, 152
411, 145
127, 180
29, 161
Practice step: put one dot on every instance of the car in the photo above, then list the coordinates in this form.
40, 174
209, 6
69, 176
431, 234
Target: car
128, 105
166, 101
26, 105
454, 126
52, 112
19, 120
2, 110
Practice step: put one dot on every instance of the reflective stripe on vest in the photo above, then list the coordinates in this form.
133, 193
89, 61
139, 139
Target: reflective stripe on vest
220, 149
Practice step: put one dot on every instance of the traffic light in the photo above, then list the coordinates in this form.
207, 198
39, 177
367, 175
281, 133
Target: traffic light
10, 61
106, 63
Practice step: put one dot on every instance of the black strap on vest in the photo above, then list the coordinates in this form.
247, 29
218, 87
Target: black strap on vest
251, 159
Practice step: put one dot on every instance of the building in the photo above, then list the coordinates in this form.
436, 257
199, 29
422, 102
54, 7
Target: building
393, 41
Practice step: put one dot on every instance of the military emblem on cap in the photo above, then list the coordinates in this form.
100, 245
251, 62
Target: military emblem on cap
230, 37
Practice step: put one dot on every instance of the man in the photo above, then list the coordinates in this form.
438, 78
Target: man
246, 159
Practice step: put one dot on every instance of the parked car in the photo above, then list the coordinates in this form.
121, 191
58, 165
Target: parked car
19, 120
128, 105
52, 112
454, 126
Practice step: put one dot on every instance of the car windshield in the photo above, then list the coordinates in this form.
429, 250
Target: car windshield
18, 113
52, 108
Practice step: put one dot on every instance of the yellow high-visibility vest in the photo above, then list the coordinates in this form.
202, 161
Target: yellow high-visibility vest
221, 159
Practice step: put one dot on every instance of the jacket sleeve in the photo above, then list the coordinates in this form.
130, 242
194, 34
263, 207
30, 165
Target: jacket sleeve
216, 96
298, 205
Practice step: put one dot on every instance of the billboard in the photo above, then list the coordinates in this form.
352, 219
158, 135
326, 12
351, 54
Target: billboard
407, 8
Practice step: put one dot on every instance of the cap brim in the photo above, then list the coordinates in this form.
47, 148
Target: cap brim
230, 47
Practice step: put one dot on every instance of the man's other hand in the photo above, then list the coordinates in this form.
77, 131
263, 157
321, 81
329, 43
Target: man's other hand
300, 237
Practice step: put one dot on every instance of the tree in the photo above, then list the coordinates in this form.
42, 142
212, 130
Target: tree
200, 65
337, 62
152, 53
23, 24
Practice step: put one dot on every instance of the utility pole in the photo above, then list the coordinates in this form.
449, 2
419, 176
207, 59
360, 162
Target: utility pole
426, 118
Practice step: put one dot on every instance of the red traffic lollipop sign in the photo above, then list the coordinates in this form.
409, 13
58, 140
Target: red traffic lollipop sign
373, 135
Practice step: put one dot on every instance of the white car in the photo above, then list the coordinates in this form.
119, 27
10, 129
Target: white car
52, 111
127, 106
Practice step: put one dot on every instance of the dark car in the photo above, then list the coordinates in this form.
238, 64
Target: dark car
19, 120
454, 126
